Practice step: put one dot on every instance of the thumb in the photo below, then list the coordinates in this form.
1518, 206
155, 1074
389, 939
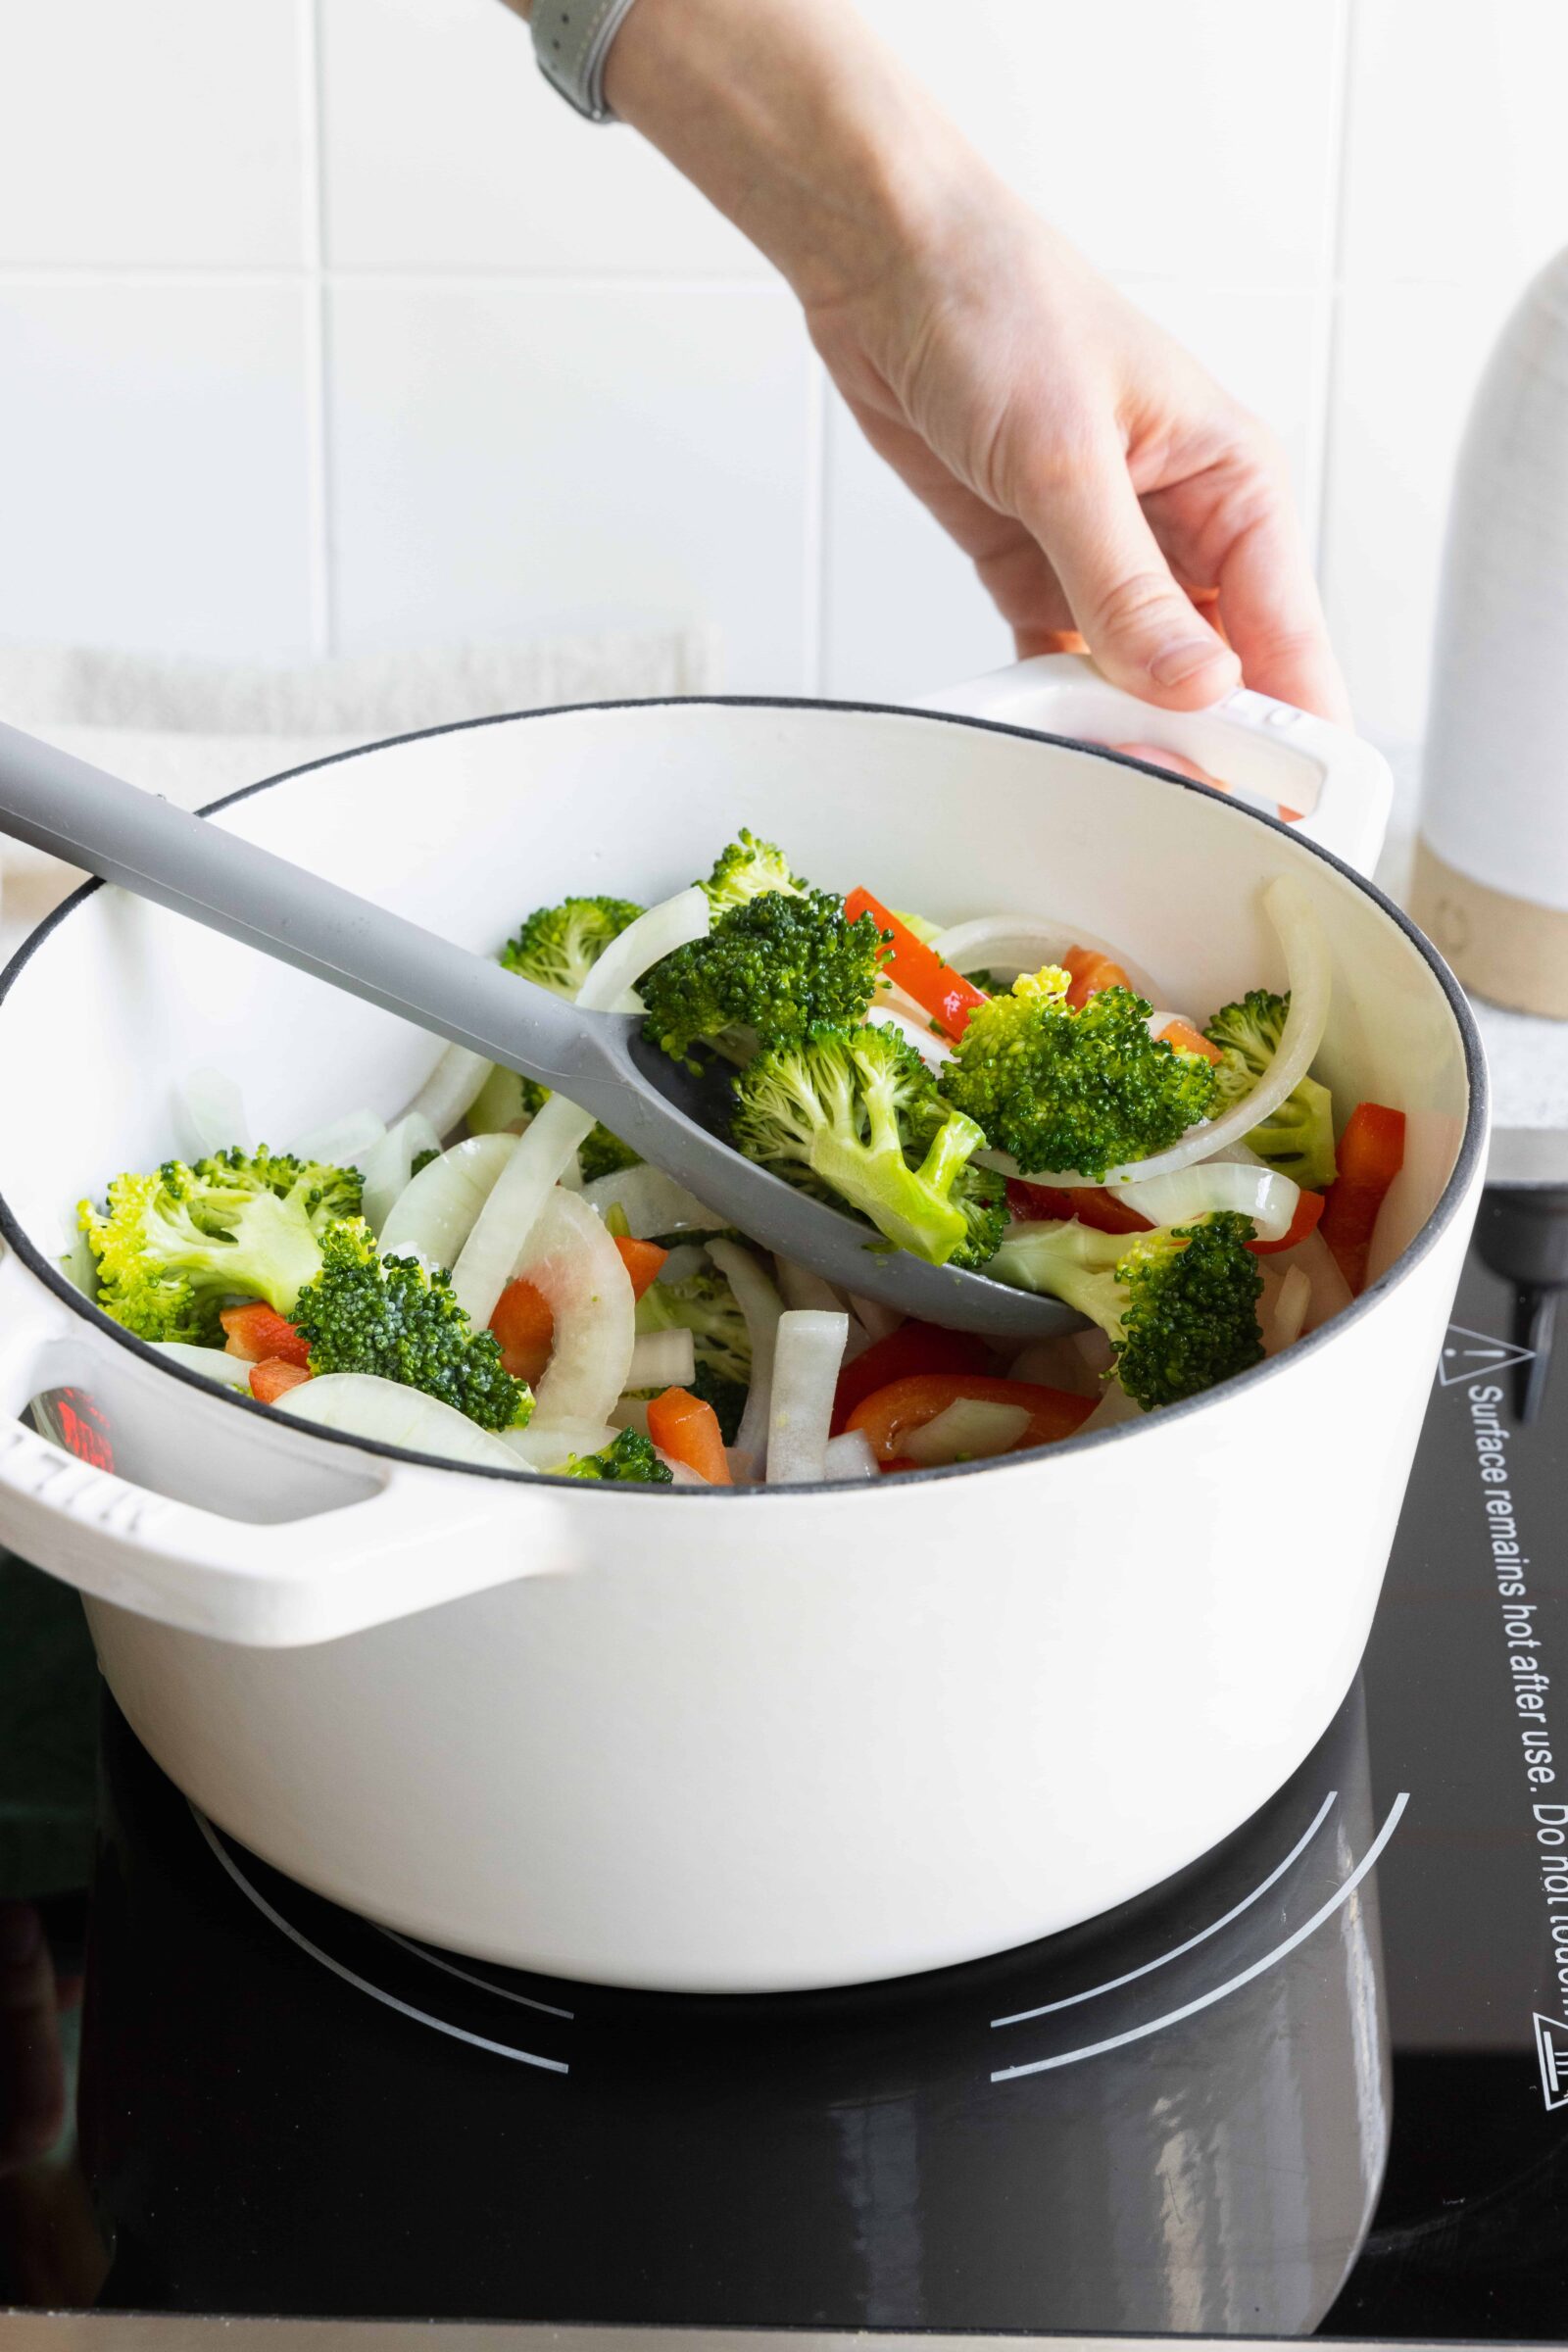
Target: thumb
1138, 624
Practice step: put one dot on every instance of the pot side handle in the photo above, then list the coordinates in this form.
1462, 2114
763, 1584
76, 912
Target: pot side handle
1267, 753
418, 1538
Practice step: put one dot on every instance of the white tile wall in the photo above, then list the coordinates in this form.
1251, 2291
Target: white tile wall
322, 320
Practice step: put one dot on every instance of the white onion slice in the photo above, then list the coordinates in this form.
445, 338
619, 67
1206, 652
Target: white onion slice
1331, 1293
1289, 1319
652, 1203
808, 1356
762, 1309
210, 1111
451, 1087
878, 1319
849, 1458
498, 1107
1114, 1406
345, 1143
550, 1445
549, 1144
575, 1266
798, 1286
1213, 1187
1059, 1364
1310, 979
971, 1427
366, 1405
1022, 943
212, 1363
387, 1167
662, 1359
435, 1212
631, 1412
684, 1261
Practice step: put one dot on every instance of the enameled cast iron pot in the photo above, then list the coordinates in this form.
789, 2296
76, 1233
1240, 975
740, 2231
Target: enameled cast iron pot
758, 1739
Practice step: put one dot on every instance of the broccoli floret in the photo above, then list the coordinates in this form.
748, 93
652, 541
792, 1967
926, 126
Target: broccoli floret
845, 1113
981, 1193
1061, 1089
389, 1315
175, 1247
726, 1396
704, 1305
769, 970
557, 947
747, 869
630, 1456
602, 1153
1297, 1138
1179, 1305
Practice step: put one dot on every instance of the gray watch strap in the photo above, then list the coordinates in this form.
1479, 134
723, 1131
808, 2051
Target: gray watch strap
571, 39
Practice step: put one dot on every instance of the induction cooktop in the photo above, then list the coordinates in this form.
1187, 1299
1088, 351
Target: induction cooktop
1317, 2083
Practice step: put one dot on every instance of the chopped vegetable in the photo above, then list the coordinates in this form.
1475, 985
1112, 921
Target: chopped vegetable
845, 1112
524, 1326
1088, 973
257, 1331
770, 969
628, 1456
661, 1360
642, 1261
686, 1428
391, 1317
969, 1430
762, 1306
1242, 1187
1371, 1156
1183, 1038
1304, 1220
576, 1269
805, 1370
1177, 1306
1092, 1204
177, 1246
367, 1405
557, 947
1298, 1135
913, 1349
437, 1209
1086, 1090
274, 1376
941, 992
889, 1414
748, 869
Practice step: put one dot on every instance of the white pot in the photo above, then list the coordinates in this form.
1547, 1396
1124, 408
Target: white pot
771, 1739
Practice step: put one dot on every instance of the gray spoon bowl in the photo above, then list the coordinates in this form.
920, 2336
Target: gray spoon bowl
61, 804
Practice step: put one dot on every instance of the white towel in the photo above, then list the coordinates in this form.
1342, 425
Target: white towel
194, 731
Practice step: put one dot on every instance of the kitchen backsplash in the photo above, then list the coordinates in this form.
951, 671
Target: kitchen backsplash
324, 327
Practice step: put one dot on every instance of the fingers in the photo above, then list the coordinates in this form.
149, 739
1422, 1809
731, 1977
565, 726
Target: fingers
1273, 616
1140, 625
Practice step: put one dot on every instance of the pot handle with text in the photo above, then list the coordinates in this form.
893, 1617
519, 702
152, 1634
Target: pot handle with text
405, 1538
1333, 788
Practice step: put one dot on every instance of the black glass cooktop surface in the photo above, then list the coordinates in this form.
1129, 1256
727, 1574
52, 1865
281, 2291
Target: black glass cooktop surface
1318, 2082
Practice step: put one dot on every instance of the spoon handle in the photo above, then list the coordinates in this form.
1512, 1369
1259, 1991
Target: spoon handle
59, 804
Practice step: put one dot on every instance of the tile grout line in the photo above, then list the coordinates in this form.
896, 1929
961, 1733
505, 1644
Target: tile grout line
317, 445
1325, 436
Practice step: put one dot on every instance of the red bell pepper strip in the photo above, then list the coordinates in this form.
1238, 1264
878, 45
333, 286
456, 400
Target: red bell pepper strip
888, 1415
686, 1428
946, 995
274, 1378
1092, 1204
914, 1347
1308, 1210
642, 1261
1370, 1155
257, 1331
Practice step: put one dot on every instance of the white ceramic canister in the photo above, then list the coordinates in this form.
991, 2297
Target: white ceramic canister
1490, 879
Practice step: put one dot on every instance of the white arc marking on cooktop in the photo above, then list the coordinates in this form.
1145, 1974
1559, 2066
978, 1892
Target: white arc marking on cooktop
1021, 2015
422, 2017
1206, 2000
501, 1992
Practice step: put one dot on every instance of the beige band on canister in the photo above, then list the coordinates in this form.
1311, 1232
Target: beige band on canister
1507, 949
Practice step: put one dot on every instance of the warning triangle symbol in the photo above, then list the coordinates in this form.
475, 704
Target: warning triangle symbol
1471, 1355
1551, 2052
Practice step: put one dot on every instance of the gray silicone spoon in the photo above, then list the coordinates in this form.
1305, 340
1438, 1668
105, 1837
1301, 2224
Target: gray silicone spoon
59, 804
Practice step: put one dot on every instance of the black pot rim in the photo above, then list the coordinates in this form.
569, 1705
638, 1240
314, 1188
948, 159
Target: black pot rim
1460, 1178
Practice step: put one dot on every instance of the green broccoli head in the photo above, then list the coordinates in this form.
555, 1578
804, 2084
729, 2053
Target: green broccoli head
175, 1247
704, 1305
557, 947
602, 1153
847, 1113
747, 869
1298, 1138
630, 1456
769, 970
1179, 1305
1067, 1090
389, 1316
980, 1193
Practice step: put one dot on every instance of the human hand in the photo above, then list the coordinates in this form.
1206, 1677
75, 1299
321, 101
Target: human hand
1101, 481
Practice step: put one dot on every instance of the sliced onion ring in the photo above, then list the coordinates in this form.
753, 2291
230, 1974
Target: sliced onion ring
808, 1356
652, 1203
436, 1210
575, 1266
1213, 1187
364, 1406
451, 1087
762, 1309
970, 1429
